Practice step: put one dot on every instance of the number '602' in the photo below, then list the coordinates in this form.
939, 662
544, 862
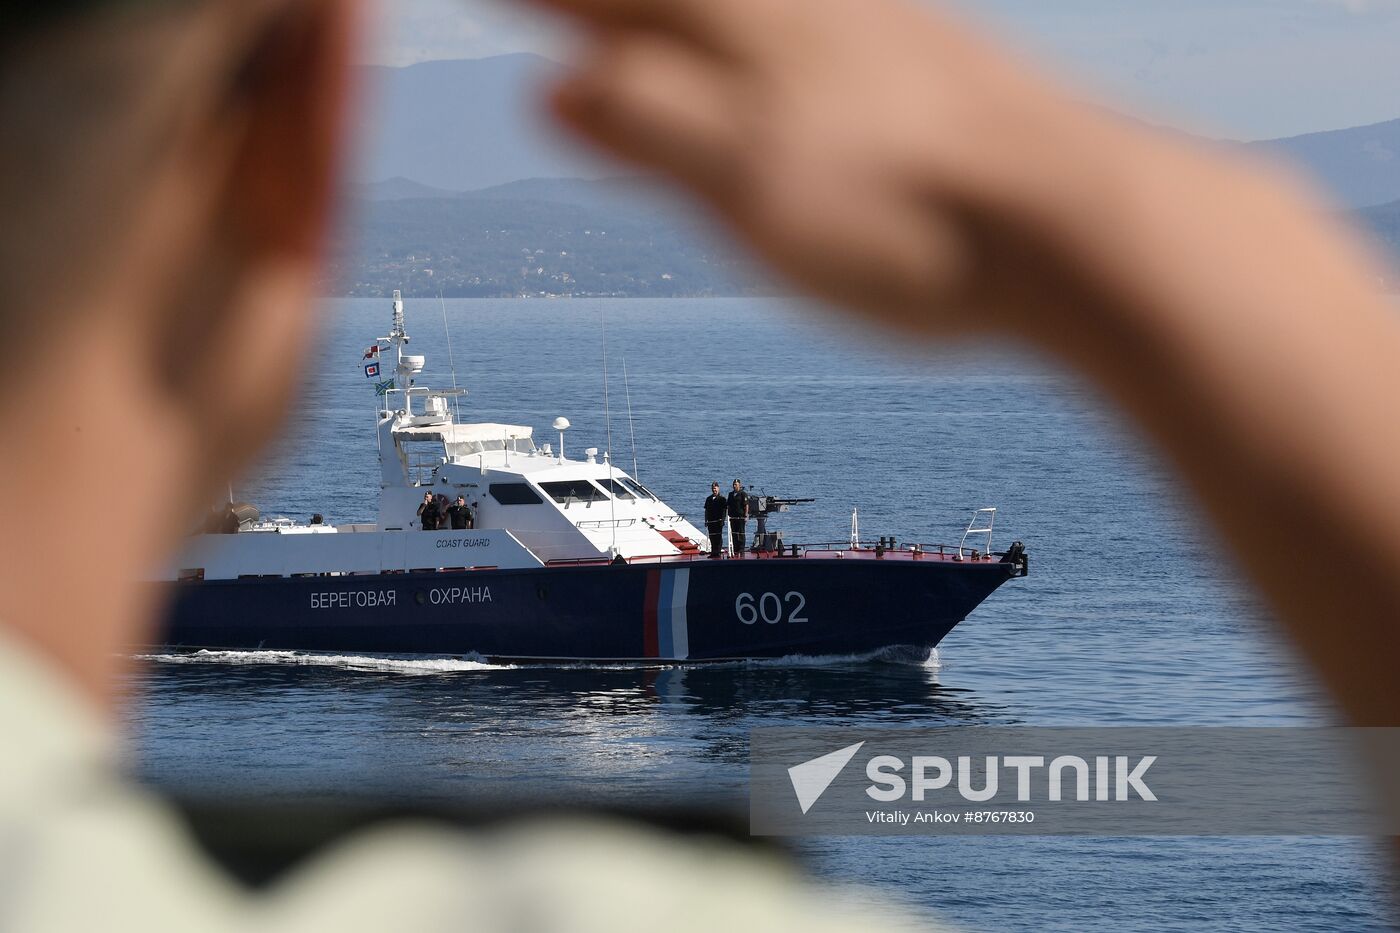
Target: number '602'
770, 607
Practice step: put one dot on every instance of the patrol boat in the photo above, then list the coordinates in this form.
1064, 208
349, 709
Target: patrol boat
568, 560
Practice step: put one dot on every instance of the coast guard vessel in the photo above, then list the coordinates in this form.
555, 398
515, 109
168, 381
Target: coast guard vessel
567, 559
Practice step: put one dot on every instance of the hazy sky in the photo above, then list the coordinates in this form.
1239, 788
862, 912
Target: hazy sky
1246, 69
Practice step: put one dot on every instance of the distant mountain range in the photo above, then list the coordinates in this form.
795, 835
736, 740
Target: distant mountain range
461, 187
474, 123
463, 125
1360, 166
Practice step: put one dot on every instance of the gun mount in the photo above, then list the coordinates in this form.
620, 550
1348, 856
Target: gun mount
762, 506
767, 505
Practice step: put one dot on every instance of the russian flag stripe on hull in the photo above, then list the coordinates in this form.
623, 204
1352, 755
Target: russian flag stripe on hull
667, 624
680, 623
663, 615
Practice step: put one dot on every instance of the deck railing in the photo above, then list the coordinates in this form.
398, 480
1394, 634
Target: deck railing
933, 551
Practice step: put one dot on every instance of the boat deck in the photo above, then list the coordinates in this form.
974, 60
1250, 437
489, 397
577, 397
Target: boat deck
824, 552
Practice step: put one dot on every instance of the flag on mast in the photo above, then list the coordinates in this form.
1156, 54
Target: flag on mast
372, 353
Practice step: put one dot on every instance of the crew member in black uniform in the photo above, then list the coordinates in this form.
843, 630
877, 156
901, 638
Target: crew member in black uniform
461, 514
428, 513
738, 518
715, 510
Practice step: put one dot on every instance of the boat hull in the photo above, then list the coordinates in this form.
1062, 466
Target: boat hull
686, 611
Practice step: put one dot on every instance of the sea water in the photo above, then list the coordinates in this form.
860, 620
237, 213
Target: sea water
1132, 614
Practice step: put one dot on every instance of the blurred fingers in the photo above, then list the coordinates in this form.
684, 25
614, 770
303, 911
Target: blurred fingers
720, 26
661, 104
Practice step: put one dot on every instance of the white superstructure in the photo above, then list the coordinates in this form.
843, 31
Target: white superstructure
533, 506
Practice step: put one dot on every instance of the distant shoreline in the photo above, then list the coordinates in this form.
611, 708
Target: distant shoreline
556, 297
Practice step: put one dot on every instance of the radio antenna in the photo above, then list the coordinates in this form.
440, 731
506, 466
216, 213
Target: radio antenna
607, 453
451, 363
631, 428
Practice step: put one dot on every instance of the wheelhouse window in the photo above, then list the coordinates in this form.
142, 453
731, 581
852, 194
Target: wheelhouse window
616, 488
514, 494
568, 491
638, 488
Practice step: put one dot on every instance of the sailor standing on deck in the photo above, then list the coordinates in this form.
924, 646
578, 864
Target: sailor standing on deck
738, 517
460, 514
428, 513
715, 510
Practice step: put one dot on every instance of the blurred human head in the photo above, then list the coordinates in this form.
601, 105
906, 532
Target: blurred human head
166, 173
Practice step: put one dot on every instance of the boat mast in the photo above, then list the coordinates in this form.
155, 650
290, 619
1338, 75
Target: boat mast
397, 339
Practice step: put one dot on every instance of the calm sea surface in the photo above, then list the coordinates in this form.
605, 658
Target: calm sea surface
1130, 615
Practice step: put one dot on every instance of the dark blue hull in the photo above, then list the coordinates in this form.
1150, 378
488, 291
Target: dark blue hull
698, 610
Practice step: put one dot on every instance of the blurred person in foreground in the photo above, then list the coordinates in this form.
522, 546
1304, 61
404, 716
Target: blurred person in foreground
166, 173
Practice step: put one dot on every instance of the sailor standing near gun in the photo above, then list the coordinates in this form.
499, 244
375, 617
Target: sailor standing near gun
738, 518
716, 508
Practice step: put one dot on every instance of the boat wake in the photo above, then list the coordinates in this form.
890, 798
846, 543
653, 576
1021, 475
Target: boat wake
353, 662
899, 654
902, 655
412, 664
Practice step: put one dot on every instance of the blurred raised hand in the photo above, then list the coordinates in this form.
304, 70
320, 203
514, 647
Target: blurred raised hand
886, 158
